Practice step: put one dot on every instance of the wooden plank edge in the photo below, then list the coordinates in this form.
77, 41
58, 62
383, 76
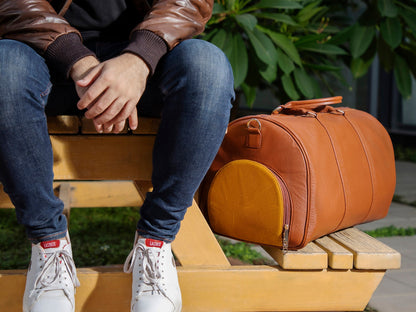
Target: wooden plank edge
237, 288
310, 257
338, 256
369, 253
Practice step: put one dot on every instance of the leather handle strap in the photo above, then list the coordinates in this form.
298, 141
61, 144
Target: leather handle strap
314, 103
308, 105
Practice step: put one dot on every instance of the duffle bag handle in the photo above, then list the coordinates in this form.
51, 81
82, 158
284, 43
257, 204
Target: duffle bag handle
305, 107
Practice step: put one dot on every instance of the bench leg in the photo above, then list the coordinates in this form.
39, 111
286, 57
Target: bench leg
195, 243
65, 196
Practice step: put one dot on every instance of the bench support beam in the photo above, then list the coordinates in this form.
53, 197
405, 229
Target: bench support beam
208, 288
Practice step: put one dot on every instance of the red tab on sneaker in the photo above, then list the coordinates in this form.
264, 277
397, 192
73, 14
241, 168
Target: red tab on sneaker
154, 243
50, 244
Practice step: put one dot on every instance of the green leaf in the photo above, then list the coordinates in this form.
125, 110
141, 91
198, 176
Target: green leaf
402, 76
230, 4
247, 21
284, 43
385, 54
342, 36
278, 4
237, 55
309, 11
263, 46
268, 72
408, 8
387, 8
284, 62
219, 38
324, 48
317, 89
218, 8
323, 67
310, 38
361, 38
410, 19
303, 82
391, 30
289, 87
359, 67
250, 94
277, 17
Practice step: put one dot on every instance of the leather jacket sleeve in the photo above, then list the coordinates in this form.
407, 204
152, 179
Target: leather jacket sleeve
37, 24
166, 24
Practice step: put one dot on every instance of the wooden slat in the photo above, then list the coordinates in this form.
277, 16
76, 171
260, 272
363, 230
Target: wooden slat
65, 196
63, 124
369, 253
338, 256
146, 126
195, 243
87, 127
143, 187
94, 194
104, 194
311, 257
229, 288
102, 157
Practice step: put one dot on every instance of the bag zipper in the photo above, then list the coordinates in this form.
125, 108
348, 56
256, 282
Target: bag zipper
286, 212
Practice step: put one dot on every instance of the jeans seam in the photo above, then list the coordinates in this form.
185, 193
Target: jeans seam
140, 232
47, 237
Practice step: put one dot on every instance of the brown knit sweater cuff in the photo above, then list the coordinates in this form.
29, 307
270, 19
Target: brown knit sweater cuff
149, 46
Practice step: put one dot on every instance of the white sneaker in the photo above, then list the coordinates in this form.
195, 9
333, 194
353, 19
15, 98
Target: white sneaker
155, 280
51, 278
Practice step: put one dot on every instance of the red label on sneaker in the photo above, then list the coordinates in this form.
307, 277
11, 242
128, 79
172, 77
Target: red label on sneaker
50, 244
153, 243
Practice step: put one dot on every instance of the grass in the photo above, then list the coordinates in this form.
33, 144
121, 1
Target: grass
390, 231
241, 251
405, 153
100, 236
399, 199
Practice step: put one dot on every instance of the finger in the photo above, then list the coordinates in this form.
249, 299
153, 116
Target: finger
98, 127
114, 113
118, 127
133, 119
108, 128
98, 107
92, 94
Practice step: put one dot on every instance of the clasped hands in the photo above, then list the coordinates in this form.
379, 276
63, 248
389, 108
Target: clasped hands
110, 90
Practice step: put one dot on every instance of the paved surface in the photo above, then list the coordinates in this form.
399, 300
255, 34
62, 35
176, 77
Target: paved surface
397, 290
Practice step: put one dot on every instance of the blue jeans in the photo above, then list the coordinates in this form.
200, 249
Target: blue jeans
191, 90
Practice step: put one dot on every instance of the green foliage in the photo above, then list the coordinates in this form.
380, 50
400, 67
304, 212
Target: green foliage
404, 153
100, 236
240, 250
390, 231
294, 44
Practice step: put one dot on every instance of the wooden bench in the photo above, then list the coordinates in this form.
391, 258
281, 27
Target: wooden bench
337, 272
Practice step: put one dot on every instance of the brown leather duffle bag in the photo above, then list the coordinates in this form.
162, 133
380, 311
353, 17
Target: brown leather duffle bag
306, 170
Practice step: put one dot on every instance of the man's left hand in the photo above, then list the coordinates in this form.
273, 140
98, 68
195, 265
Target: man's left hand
113, 89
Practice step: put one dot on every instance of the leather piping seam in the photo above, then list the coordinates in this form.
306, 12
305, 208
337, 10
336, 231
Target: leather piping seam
339, 173
369, 167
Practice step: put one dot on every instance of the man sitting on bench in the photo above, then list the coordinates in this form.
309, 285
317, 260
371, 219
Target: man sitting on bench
101, 58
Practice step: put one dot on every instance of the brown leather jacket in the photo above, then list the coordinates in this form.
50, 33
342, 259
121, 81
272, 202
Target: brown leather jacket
36, 23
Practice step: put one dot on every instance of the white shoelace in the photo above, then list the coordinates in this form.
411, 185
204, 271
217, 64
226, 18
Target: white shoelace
53, 267
151, 273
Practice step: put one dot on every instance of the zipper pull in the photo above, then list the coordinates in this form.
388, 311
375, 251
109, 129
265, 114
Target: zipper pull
285, 239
